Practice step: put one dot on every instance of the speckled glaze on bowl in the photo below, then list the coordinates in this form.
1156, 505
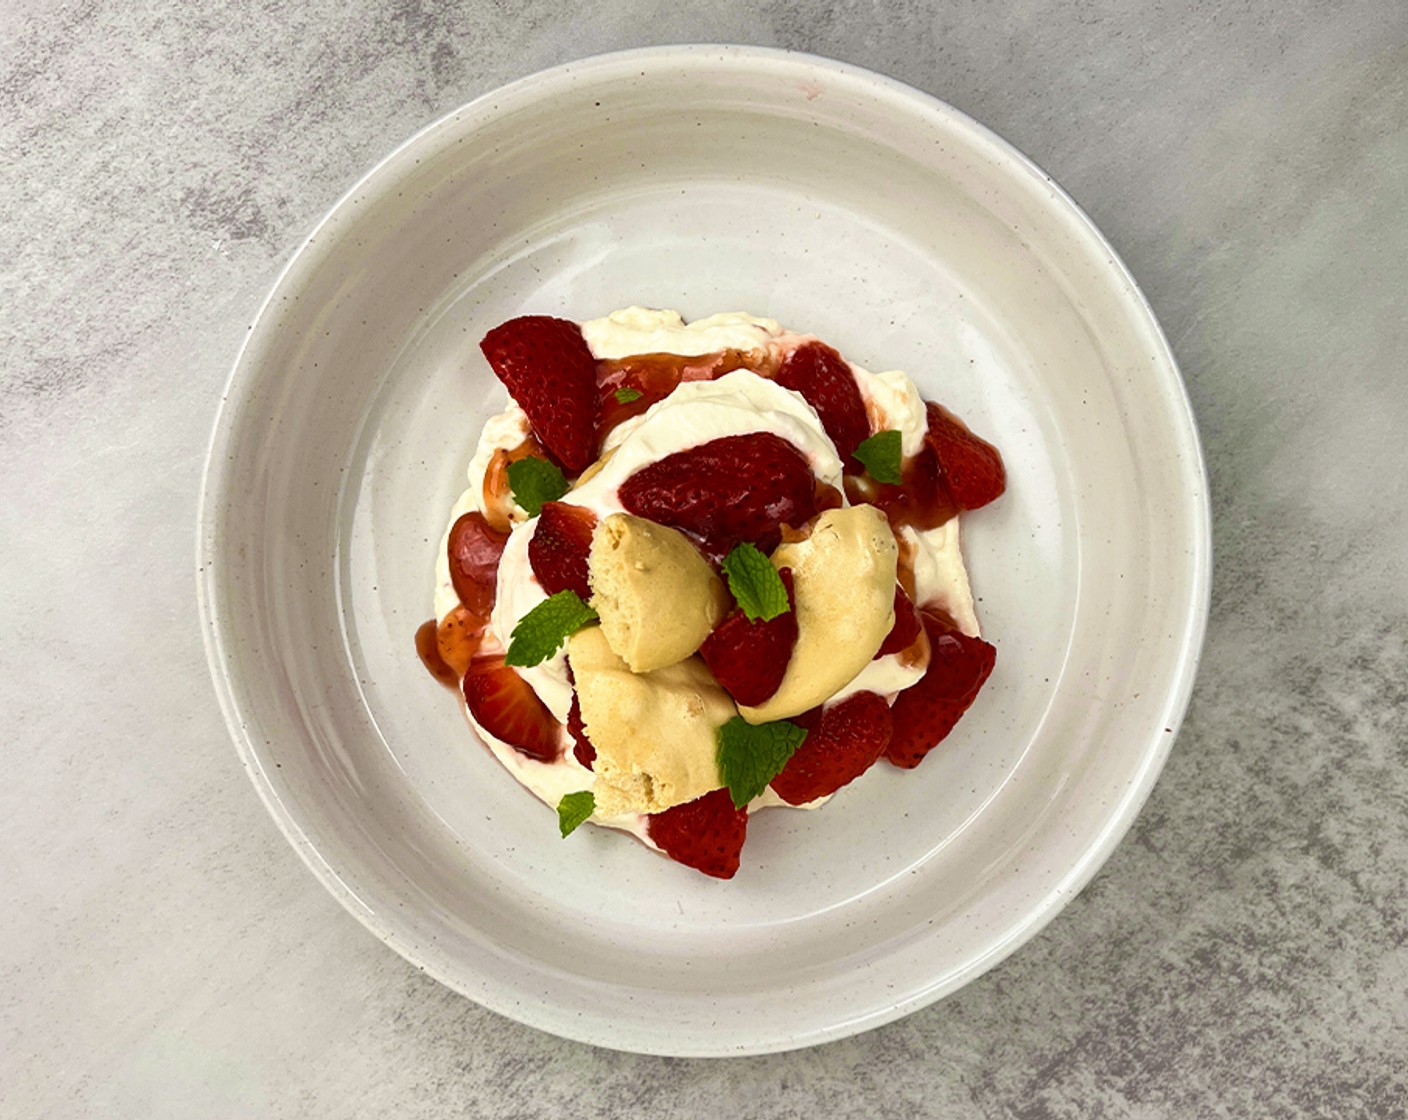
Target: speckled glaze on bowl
704, 178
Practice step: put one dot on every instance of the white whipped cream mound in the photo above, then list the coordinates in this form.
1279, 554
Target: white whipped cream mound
505, 431
738, 403
518, 593
645, 330
940, 578
550, 782
894, 402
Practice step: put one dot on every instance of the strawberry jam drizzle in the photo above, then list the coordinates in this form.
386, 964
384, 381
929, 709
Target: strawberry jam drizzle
498, 496
918, 500
447, 649
656, 376
428, 647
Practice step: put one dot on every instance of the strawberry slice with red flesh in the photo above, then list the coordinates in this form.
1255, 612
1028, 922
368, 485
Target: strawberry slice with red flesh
475, 548
731, 489
582, 748
749, 658
843, 741
706, 834
926, 712
826, 383
505, 706
971, 467
558, 549
547, 368
906, 627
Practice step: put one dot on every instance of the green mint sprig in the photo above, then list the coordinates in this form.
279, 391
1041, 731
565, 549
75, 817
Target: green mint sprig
755, 583
535, 481
573, 809
625, 395
541, 632
752, 755
881, 456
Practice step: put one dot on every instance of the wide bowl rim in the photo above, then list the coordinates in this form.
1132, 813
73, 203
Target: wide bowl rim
543, 86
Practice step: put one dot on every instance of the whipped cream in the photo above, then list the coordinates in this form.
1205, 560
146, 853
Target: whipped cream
645, 330
738, 403
886, 675
550, 782
503, 432
893, 401
518, 593
940, 577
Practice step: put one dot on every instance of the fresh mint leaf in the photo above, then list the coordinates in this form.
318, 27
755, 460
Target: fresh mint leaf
755, 583
542, 630
881, 455
573, 809
625, 395
535, 481
752, 755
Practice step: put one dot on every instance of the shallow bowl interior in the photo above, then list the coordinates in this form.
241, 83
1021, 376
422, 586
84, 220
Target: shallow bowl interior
704, 179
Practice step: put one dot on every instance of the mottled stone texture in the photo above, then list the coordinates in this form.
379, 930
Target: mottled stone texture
162, 953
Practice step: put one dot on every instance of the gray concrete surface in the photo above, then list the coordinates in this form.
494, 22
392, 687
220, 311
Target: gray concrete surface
163, 953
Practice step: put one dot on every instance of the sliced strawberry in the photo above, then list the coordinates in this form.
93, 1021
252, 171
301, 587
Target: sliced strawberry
843, 741
583, 750
475, 547
906, 627
731, 489
505, 705
546, 366
926, 711
559, 546
706, 834
971, 467
826, 383
749, 658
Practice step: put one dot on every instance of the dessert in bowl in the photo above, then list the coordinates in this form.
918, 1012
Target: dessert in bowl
848, 207
705, 569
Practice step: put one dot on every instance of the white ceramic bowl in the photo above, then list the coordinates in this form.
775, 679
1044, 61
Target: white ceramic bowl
707, 179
